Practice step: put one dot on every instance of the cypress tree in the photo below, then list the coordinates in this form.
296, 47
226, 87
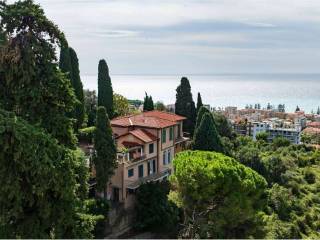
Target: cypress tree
199, 102
105, 91
185, 106
65, 61
148, 103
79, 111
206, 137
105, 155
200, 114
151, 105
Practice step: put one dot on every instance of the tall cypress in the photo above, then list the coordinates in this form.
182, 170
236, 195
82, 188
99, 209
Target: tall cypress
206, 137
199, 102
105, 91
185, 106
65, 61
69, 64
79, 111
200, 114
148, 103
105, 154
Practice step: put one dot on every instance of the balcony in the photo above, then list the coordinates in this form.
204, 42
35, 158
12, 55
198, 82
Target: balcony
133, 154
185, 137
151, 178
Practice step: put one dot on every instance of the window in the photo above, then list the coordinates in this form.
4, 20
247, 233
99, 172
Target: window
164, 135
169, 156
164, 156
130, 172
179, 130
151, 167
171, 134
140, 168
151, 146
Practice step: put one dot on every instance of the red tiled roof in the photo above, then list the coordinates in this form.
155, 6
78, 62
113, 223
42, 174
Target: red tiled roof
312, 130
143, 135
314, 124
151, 119
130, 144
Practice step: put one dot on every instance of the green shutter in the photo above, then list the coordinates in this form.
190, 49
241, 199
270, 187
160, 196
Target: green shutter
171, 133
164, 135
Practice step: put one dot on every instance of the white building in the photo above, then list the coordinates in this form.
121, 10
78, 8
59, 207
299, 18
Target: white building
275, 128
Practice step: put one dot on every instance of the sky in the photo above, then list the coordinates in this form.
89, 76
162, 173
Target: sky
191, 36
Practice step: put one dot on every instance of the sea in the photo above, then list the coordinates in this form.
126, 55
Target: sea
222, 90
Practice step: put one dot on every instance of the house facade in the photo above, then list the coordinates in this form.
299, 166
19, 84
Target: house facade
146, 144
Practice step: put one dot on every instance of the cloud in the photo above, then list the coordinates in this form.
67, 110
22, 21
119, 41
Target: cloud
191, 35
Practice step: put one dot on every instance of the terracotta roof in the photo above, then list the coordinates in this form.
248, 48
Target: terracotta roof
143, 135
312, 130
314, 124
151, 119
130, 144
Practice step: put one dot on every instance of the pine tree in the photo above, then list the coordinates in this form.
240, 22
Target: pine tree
79, 111
185, 106
199, 102
105, 155
206, 137
318, 111
297, 109
105, 91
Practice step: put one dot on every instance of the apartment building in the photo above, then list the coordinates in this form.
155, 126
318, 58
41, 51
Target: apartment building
278, 128
146, 144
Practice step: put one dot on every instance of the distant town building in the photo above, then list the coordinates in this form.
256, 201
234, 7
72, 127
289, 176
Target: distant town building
171, 108
278, 128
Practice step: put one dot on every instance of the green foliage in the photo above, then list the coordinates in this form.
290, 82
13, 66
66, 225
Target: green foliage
206, 136
105, 91
148, 103
153, 209
160, 106
223, 126
310, 138
292, 172
221, 198
79, 111
262, 136
90, 103
199, 102
99, 208
185, 106
28, 59
280, 142
105, 149
65, 62
86, 134
121, 105
200, 114
43, 184
69, 64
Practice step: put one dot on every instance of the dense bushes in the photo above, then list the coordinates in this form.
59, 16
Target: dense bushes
86, 134
292, 172
154, 210
43, 184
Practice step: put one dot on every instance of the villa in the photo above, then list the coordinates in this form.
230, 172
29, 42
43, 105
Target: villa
146, 144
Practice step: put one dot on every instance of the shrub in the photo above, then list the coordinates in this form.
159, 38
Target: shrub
86, 134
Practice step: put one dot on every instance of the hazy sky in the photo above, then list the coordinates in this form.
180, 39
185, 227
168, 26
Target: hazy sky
191, 36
